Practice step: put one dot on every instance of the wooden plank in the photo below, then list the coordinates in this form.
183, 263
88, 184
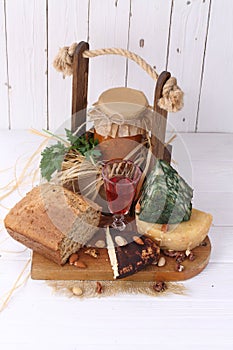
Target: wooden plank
148, 37
67, 23
27, 61
135, 317
205, 302
100, 268
212, 176
215, 112
205, 146
4, 117
186, 50
109, 21
159, 123
79, 88
222, 244
219, 204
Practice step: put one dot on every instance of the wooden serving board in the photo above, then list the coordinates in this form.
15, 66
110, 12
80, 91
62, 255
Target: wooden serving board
100, 268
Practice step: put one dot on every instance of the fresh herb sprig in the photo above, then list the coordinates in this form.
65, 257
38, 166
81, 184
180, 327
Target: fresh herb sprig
53, 156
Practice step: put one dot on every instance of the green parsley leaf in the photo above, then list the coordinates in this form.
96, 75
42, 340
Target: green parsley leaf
52, 158
92, 154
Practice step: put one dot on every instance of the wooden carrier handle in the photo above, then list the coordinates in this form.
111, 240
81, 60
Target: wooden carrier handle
79, 102
79, 87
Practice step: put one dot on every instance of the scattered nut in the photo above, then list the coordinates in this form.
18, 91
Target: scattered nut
77, 291
92, 252
192, 256
137, 208
158, 241
73, 258
99, 288
160, 286
180, 257
179, 267
164, 228
170, 253
162, 261
80, 264
121, 241
100, 243
187, 253
138, 240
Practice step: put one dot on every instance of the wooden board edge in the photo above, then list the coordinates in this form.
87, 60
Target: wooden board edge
149, 274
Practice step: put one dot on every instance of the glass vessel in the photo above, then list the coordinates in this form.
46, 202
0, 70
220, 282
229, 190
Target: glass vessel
121, 178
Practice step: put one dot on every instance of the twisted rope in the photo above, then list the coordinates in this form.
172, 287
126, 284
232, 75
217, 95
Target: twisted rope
172, 95
125, 53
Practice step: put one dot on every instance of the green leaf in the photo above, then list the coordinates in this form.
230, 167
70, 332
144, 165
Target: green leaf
70, 137
52, 158
92, 154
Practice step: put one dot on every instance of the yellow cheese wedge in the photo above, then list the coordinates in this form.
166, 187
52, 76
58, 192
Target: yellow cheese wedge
183, 236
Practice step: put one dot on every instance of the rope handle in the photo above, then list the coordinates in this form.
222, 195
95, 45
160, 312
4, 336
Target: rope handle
172, 95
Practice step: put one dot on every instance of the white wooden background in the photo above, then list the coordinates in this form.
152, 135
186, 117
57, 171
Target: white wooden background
192, 39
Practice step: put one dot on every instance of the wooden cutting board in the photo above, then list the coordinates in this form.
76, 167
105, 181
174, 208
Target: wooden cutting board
100, 268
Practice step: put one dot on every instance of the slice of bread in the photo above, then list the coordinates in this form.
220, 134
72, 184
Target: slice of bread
183, 236
53, 221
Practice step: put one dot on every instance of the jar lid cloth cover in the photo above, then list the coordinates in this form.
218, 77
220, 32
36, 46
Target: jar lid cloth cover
121, 112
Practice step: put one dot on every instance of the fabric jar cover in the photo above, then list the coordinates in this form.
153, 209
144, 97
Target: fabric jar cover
121, 112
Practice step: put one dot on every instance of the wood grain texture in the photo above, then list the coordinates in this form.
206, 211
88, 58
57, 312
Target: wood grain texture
148, 37
143, 28
215, 147
222, 244
159, 123
67, 23
216, 203
4, 120
215, 112
100, 268
26, 46
204, 307
79, 88
109, 21
213, 176
186, 51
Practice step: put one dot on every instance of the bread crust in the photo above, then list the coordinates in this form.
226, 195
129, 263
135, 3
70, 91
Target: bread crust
48, 216
54, 255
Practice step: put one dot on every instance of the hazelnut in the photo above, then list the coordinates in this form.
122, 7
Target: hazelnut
77, 291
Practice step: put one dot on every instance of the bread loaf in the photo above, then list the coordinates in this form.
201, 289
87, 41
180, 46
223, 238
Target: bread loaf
53, 221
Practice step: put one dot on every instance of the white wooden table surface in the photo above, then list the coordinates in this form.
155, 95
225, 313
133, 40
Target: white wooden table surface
200, 319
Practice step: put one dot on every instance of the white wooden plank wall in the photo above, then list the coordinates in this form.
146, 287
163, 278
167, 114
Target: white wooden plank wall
4, 117
148, 37
108, 27
192, 39
186, 50
216, 100
26, 45
67, 23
